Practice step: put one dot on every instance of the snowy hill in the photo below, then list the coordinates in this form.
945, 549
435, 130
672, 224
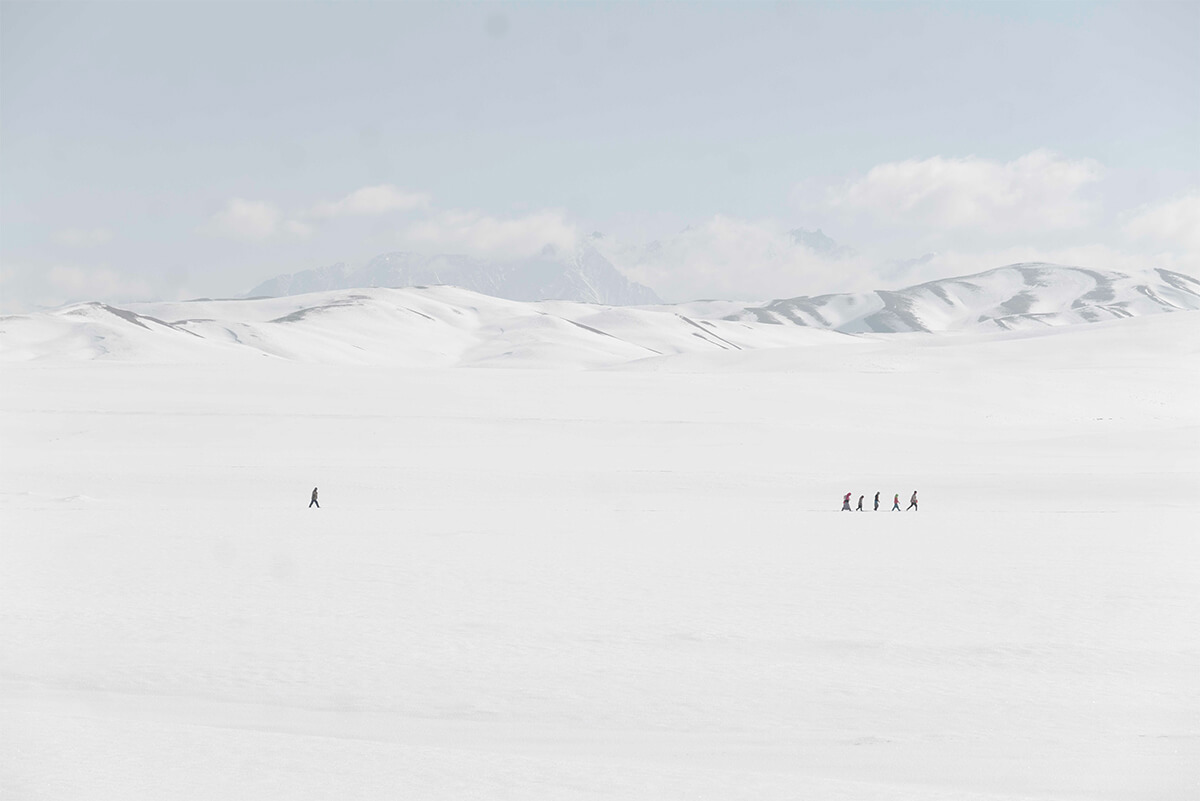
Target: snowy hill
583, 275
415, 326
446, 326
1019, 296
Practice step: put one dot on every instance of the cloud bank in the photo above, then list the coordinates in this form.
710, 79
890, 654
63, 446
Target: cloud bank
59, 284
733, 259
416, 224
1039, 191
371, 201
245, 219
906, 222
478, 234
1171, 224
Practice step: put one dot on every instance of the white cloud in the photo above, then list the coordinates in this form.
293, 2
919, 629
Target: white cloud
1037, 192
477, 234
246, 219
84, 237
977, 214
99, 283
24, 287
254, 220
728, 258
731, 259
297, 229
372, 201
1172, 224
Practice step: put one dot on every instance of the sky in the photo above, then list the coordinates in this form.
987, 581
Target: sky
176, 150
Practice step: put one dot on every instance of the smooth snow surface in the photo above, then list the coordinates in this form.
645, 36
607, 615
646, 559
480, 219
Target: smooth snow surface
626, 583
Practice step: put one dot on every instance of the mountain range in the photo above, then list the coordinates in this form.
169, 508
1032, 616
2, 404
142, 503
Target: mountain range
582, 275
448, 326
1019, 296
589, 273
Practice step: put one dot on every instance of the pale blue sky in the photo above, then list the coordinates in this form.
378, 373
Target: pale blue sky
160, 149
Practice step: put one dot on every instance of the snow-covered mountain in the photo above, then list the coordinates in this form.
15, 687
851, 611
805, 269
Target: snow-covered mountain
582, 275
411, 327
448, 326
1018, 296
629, 255
820, 243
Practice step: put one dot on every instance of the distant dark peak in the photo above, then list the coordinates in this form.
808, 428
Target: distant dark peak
819, 243
581, 274
812, 237
917, 261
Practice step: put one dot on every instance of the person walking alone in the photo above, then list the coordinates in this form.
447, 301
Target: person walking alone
896, 503
913, 503
860, 500
313, 502
846, 503
877, 502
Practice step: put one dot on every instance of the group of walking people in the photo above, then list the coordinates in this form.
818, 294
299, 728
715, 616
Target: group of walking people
895, 502
845, 502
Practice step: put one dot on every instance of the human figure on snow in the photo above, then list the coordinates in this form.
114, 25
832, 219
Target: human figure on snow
313, 502
860, 500
846, 503
913, 503
896, 503
877, 502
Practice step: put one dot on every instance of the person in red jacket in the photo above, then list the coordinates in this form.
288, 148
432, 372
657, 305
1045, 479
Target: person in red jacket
896, 503
846, 503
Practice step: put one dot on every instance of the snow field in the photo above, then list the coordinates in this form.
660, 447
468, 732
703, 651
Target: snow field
628, 583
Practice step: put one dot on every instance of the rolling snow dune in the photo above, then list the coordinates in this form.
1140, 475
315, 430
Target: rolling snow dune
630, 582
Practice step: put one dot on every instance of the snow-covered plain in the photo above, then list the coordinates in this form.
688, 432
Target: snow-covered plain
623, 582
